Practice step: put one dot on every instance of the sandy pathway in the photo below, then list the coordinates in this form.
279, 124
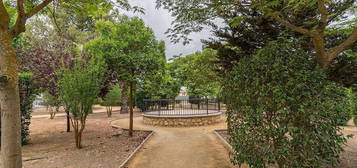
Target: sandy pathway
180, 147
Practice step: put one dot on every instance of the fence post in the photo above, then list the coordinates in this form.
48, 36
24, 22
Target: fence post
207, 105
219, 105
159, 107
199, 104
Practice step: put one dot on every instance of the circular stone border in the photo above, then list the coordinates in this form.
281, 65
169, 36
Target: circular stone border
183, 121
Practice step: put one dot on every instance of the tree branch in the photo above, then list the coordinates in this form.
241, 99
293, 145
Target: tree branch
4, 17
20, 21
37, 8
324, 15
276, 16
335, 51
20, 8
19, 27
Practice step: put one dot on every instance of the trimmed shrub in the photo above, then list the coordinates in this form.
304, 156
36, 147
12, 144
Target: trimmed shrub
354, 103
283, 110
27, 97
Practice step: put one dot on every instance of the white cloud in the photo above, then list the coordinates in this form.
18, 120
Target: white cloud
160, 20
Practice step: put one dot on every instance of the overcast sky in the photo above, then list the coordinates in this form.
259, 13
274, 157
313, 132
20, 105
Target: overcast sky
160, 20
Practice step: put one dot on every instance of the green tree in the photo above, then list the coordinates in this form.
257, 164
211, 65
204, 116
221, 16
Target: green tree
112, 99
316, 28
51, 102
130, 50
13, 18
79, 88
283, 110
249, 25
198, 72
161, 85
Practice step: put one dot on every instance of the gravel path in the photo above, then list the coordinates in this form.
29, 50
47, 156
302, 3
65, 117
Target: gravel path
196, 147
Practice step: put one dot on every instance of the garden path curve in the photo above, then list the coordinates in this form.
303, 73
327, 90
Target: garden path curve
196, 147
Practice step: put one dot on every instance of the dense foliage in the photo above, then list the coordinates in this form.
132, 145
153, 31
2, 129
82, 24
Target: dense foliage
27, 97
251, 25
131, 52
354, 103
198, 73
79, 88
159, 86
283, 110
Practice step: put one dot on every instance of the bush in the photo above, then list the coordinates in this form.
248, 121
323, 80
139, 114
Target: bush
283, 110
354, 103
113, 98
27, 97
78, 89
52, 103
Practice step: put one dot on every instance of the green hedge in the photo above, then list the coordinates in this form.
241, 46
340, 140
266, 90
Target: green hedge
354, 102
283, 110
27, 96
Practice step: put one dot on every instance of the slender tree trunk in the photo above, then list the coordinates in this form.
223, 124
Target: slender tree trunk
131, 104
109, 111
75, 124
124, 98
10, 104
68, 120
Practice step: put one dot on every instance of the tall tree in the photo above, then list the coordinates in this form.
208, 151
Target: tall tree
249, 25
10, 28
130, 50
326, 14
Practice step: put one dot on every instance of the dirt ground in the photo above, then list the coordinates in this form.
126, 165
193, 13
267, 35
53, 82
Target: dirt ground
348, 157
103, 146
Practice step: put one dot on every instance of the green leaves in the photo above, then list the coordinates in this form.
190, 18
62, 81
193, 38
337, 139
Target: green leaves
128, 47
283, 110
113, 97
27, 96
198, 72
79, 86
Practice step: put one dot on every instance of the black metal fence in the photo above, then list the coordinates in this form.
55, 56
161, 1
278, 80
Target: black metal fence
187, 107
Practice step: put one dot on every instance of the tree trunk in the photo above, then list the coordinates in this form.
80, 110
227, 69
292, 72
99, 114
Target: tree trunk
131, 104
322, 56
124, 98
68, 120
10, 104
109, 111
76, 130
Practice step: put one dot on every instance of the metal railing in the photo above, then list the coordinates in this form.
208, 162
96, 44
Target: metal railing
187, 107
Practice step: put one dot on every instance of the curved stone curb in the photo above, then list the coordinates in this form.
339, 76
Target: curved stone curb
225, 143
182, 121
132, 155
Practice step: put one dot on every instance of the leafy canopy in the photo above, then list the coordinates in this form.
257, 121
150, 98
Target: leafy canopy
128, 47
79, 86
